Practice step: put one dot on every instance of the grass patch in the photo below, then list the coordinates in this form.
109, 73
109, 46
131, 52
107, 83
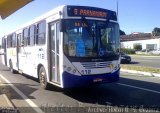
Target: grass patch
140, 68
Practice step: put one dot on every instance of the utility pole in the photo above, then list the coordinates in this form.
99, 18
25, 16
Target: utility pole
117, 9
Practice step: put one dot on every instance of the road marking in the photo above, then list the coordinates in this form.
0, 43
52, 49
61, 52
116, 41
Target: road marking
148, 90
31, 103
8, 101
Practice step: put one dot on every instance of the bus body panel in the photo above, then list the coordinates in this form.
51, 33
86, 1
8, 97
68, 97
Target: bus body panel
11, 53
75, 74
30, 58
70, 80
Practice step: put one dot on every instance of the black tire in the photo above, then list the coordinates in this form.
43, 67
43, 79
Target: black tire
43, 78
11, 67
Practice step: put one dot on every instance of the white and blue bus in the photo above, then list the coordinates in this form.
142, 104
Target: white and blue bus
70, 46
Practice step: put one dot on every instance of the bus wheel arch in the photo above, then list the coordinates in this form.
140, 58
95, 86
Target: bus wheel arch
42, 76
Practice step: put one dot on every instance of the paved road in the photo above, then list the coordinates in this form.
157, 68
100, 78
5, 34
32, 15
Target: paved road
147, 61
131, 94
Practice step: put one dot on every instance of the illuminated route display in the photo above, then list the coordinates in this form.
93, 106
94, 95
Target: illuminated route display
82, 11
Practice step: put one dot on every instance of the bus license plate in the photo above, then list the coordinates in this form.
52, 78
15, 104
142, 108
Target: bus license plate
97, 80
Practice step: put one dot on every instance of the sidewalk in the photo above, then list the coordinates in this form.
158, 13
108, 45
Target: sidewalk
144, 55
140, 73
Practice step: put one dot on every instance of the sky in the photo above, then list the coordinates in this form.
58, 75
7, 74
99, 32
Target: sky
133, 15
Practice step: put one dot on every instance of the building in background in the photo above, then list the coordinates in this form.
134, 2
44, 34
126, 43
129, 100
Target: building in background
145, 40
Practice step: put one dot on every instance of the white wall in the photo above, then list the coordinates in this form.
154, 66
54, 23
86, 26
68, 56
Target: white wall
129, 44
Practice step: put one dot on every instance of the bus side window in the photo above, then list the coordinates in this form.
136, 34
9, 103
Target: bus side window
25, 40
32, 31
9, 41
3, 43
41, 33
14, 44
19, 42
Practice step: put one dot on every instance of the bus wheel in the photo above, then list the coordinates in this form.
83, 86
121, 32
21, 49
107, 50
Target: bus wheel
43, 78
11, 67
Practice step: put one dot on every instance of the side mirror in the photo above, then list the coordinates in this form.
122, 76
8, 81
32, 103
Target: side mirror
62, 25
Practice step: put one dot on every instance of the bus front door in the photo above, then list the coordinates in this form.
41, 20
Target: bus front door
54, 52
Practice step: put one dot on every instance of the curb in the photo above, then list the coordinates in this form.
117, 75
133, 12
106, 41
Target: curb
140, 72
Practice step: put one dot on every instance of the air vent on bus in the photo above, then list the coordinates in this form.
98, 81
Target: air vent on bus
90, 65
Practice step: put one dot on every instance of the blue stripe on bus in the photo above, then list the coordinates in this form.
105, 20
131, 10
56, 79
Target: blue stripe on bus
70, 80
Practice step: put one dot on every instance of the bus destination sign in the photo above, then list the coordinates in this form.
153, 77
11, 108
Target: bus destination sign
87, 12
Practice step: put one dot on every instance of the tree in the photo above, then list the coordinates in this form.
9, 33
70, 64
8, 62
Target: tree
122, 32
156, 31
137, 47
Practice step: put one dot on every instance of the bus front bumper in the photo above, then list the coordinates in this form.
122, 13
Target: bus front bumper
71, 81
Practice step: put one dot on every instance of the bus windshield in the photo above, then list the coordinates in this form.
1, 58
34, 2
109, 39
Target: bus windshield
90, 38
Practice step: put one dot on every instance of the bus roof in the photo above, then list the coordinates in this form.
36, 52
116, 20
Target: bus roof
70, 11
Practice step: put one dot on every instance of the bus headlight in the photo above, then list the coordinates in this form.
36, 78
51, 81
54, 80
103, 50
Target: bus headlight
111, 66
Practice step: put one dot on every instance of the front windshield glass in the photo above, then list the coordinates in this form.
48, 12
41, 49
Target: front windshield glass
90, 38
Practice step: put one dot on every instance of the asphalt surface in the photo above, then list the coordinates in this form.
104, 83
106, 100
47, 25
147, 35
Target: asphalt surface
147, 61
131, 94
